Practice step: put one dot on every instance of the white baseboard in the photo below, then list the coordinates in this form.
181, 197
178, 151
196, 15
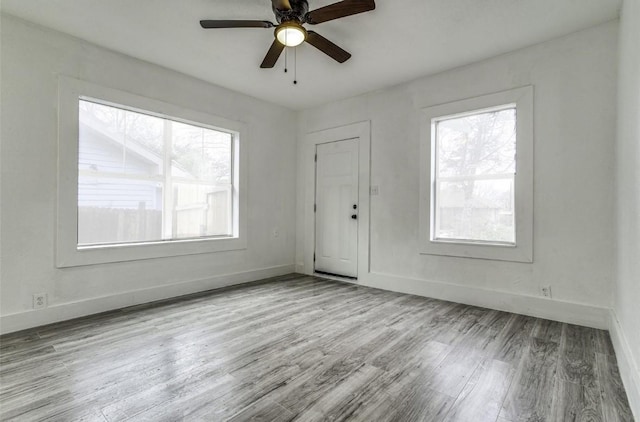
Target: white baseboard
628, 366
557, 310
66, 311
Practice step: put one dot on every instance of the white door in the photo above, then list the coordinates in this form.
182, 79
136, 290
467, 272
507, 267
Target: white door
337, 208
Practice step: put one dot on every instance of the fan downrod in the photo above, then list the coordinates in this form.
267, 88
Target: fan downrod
298, 11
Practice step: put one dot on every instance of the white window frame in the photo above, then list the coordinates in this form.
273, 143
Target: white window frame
522, 249
68, 253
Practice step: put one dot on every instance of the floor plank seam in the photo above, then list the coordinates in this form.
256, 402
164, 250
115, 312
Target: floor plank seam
599, 388
513, 377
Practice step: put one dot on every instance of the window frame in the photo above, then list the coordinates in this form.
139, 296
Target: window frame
522, 249
68, 253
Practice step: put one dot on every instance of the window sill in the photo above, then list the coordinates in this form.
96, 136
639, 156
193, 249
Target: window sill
152, 243
491, 251
102, 254
473, 243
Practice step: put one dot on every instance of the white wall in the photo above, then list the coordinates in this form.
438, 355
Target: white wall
574, 78
626, 320
32, 59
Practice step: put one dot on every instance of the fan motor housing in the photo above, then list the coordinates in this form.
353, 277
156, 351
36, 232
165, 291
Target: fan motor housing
299, 8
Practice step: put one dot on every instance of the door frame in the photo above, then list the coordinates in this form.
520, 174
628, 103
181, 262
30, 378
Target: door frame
306, 225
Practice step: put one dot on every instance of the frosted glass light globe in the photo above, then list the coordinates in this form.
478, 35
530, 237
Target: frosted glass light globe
290, 34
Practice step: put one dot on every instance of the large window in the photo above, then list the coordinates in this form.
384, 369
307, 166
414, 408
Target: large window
140, 178
474, 175
145, 178
477, 177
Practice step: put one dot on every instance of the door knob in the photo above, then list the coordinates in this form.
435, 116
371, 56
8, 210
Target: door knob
354, 216
355, 207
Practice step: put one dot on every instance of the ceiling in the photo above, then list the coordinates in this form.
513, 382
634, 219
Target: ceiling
397, 42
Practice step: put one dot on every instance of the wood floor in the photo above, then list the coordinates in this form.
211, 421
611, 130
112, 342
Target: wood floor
304, 348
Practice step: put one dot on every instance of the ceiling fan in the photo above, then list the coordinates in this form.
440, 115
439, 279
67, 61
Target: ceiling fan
291, 15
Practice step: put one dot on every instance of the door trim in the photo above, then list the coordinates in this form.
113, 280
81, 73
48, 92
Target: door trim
306, 224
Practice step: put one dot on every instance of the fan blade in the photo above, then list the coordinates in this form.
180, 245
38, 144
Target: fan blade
281, 4
236, 24
339, 10
327, 47
272, 55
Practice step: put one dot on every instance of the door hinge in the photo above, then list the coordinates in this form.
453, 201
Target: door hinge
315, 158
314, 257
314, 207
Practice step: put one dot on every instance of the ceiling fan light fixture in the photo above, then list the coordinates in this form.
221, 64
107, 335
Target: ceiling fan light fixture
292, 14
291, 34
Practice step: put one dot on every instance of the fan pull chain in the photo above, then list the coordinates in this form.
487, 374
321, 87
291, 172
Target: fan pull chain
285, 52
285, 59
295, 65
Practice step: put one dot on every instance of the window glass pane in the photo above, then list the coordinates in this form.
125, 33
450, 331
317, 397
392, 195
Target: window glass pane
201, 210
113, 140
118, 210
123, 172
475, 170
477, 210
478, 144
201, 154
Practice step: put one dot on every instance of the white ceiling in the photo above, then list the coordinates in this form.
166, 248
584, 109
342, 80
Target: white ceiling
397, 42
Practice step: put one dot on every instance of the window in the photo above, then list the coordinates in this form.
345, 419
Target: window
145, 178
139, 178
476, 177
474, 171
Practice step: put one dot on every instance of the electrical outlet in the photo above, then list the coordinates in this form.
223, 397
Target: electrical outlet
39, 300
545, 291
375, 190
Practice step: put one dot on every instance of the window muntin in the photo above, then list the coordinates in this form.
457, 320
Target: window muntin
146, 178
474, 164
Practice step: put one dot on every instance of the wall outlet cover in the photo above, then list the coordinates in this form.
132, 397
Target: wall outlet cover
39, 300
545, 291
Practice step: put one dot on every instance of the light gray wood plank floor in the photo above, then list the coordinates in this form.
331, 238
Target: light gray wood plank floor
306, 348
